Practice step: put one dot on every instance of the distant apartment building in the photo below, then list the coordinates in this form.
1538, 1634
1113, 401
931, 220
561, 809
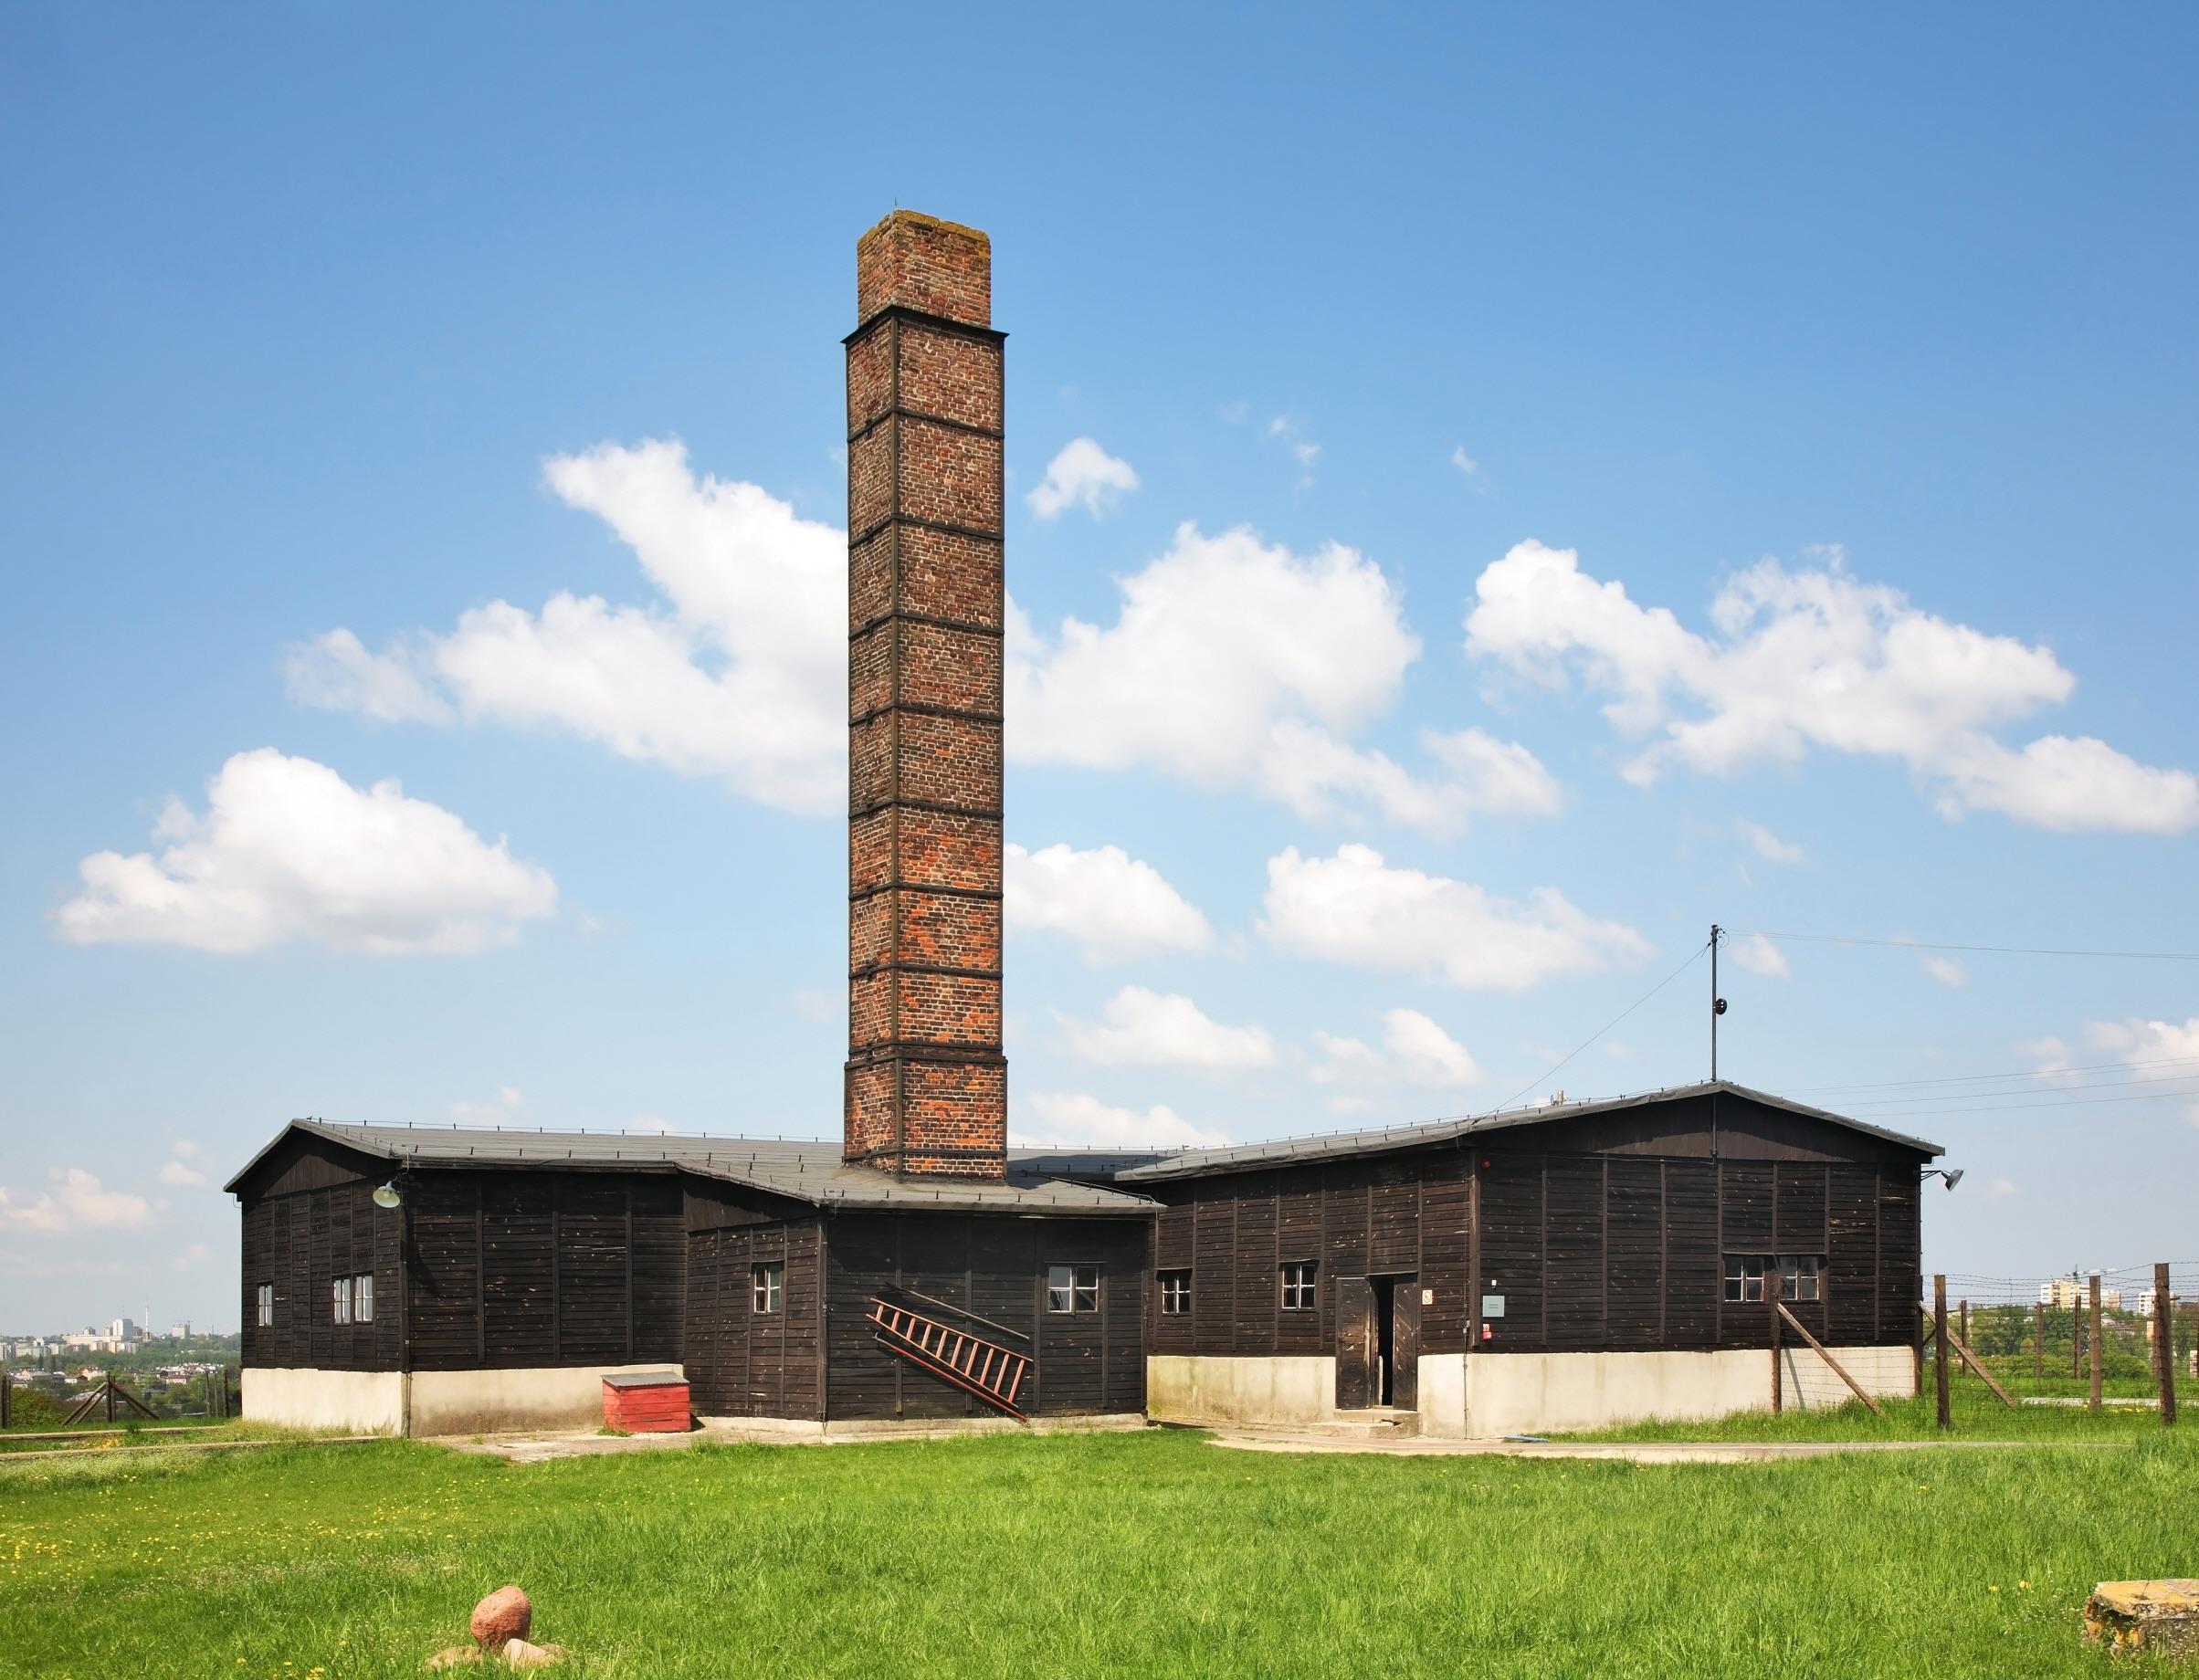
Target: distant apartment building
2066, 1293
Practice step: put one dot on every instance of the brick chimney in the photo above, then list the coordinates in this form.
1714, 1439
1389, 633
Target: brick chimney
927, 1084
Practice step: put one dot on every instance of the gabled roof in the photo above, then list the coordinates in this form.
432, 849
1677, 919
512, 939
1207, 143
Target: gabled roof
1194, 1163
1039, 1181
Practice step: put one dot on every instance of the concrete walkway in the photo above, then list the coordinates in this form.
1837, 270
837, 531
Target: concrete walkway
1631, 1452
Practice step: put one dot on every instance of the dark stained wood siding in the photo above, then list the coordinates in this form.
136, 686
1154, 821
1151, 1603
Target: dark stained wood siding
995, 1269
741, 1362
492, 1268
301, 1243
1594, 1239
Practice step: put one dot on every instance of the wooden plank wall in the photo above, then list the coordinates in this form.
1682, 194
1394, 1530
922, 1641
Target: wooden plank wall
1352, 1218
739, 1362
300, 1243
515, 1269
1082, 1362
1591, 1251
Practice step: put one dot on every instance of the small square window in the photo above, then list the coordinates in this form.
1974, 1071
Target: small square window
1745, 1277
363, 1298
1072, 1289
340, 1305
267, 1304
767, 1281
1298, 1286
1801, 1277
1175, 1293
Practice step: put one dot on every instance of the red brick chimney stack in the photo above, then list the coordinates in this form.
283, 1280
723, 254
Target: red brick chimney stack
927, 1082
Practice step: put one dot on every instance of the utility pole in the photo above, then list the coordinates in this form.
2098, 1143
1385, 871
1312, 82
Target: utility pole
1718, 1004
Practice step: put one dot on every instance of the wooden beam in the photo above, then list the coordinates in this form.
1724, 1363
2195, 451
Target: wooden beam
2093, 1329
1822, 1352
1971, 1360
1939, 1331
2164, 1342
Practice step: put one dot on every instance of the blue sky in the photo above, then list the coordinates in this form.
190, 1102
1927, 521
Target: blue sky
1799, 409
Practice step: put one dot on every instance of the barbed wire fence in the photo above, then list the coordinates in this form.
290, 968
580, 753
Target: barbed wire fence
2035, 1336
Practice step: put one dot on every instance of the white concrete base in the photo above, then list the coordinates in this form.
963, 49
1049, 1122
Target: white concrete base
1543, 1393
471, 1403
1486, 1396
358, 1402
444, 1402
1183, 1388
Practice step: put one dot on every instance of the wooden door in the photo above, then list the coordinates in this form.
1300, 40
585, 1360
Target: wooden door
1405, 1345
1355, 1344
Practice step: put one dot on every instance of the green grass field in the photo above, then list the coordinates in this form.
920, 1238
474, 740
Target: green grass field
1147, 1554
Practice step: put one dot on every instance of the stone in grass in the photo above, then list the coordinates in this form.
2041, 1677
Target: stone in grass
518, 1653
2158, 1616
502, 1617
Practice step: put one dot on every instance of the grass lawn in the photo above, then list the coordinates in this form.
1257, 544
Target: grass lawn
1132, 1555
1977, 1416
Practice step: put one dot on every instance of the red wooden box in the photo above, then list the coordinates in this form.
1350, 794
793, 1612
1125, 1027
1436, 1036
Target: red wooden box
647, 1402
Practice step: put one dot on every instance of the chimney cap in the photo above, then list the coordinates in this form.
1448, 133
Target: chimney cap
926, 264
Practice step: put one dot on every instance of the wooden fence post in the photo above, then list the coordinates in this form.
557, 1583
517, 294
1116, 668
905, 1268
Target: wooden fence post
2038, 1341
1771, 1296
8, 1392
2076, 1332
1938, 1328
2092, 1336
2164, 1342
1962, 1318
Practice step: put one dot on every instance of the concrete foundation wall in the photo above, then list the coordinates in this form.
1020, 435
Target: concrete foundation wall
1465, 1396
444, 1402
468, 1402
1542, 1393
1181, 1388
358, 1402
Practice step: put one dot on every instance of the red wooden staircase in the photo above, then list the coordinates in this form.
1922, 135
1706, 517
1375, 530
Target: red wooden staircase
986, 1368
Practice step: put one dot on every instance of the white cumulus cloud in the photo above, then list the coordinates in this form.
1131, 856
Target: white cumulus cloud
1414, 1051
1152, 1029
75, 1201
1233, 663
1354, 908
185, 1165
736, 671
1068, 1119
1946, 971
287, 849
1769, 845
504, 1108
2161, 1049
1082, 475
1112, 905
1813, 657
1760, 955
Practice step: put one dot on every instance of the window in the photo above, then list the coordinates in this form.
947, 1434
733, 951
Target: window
1800, 1276
363, 1298
1298, 1286
767, 1281
1072, 1289
340, 1309
1175, 1292
267, 1304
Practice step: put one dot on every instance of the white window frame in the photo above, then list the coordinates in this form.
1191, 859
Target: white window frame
1176, 1291
767, 1285
1747, 1277
267, 1305
1299, 1284
363, 1297
340, 1299
1072, 1286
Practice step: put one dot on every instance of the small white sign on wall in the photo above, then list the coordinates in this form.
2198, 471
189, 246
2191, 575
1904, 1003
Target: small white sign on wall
1428, 1297
1492, 1307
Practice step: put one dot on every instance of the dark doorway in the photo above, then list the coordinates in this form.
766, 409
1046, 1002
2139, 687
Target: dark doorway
1378, 1342
1396, 1372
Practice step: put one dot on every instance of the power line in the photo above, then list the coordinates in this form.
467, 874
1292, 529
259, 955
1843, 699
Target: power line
2036, 1073
2006, 951
1693, 957
2104, 1085
2079, 1102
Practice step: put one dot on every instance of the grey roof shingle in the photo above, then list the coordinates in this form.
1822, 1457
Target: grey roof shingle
1194, 1163
807, 1171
